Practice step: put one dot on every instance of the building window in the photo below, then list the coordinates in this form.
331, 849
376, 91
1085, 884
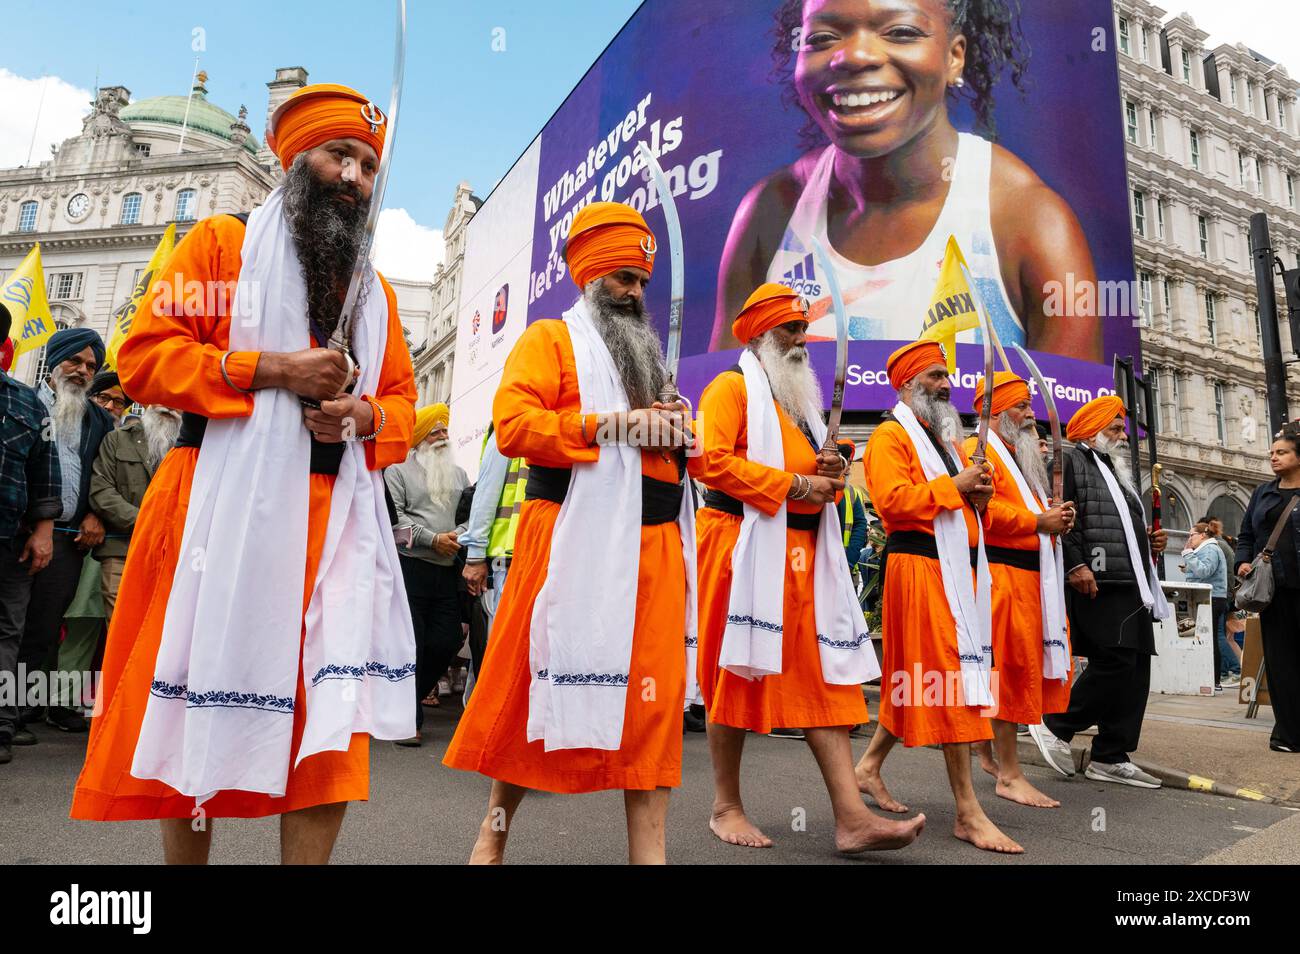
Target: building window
1153, 376
1144, 281
1130, 122
1176, 391
1146, 46
1250, 97
43, 369
1203, 236
1220, 421
1241, 168
1259, 176
131, 208
1187, 67
1290, 191
1139, 213
63, 286
1153, 126
1160, 218
1211, 323
1232, 88
186, 205
1195, 139
1169, 310
142, 150
1124, 45
27, 216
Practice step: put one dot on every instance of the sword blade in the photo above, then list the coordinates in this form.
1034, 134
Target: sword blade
342, 331
1053, 422
841, 341
673, 347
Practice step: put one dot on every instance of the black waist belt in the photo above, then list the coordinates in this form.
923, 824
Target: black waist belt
917, 543
729, 504
325, 458
660, 500
1008, 556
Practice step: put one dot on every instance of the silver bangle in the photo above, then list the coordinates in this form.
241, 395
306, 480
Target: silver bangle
383, 419
226, 374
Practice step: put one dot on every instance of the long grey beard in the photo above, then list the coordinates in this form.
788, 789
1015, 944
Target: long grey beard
160, 431
1118, 453
1023, 442
794, 386
327, 234
69, 408
941, 416
439, 470
629, 334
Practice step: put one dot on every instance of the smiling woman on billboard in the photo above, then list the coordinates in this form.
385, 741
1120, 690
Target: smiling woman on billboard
891, 178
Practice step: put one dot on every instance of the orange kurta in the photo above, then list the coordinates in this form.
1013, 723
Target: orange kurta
174, 359
798, 697
1022, 693
921, 699
537, 417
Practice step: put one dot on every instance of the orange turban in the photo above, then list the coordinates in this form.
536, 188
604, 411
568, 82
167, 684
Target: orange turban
910, 360
607, 236
770, 305
321, 112
1094, 417
1009, 389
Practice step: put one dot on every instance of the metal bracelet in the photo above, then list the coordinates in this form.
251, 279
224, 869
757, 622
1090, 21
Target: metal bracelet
383, 419
226, 374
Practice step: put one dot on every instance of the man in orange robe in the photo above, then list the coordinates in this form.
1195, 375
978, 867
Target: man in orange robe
546, 411
1012, 543
177, 355
800, 693
933, 682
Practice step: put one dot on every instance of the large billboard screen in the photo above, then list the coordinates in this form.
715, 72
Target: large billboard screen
867, 125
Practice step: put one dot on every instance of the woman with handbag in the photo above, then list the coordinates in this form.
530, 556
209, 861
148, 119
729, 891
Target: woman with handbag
1270, 541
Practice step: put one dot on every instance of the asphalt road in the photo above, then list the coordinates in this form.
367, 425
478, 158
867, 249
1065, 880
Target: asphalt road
422, 812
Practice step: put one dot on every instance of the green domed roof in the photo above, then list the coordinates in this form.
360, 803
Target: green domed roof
171, 110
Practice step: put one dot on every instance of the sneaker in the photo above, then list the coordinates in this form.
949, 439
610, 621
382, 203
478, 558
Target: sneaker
67, 720
693, 721
1121, 773
786, 733
1056, 753
412, 743
1281, 747
1231, 681
444, 687
24, 737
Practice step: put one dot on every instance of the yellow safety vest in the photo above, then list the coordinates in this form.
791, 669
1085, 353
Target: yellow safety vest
851, 493
501, 536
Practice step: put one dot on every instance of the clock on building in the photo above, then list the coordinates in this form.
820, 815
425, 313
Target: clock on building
78, 205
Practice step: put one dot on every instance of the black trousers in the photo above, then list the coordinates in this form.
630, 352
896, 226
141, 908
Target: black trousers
52, 591
435, 614
1112, 695
1280, 628
1219, 616
15, 592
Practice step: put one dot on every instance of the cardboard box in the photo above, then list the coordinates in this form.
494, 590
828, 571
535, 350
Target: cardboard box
1252, 655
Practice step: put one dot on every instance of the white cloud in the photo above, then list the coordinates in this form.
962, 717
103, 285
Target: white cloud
406, 249
61, 114
1266, 26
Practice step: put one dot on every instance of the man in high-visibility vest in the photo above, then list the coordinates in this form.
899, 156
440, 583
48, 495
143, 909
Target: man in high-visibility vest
852, 509
489, 540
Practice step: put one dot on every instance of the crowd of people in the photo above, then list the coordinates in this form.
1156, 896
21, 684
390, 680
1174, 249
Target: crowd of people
288, 558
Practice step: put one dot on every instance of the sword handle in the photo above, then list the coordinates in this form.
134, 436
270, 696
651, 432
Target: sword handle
352, 383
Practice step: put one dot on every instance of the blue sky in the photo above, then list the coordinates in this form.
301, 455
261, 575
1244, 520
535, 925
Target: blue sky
467, 111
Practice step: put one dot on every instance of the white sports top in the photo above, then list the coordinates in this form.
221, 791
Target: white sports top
889, 301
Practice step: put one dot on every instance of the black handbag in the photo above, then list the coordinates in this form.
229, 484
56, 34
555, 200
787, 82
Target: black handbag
1256, 589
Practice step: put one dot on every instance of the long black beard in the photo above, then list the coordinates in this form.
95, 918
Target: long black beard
633, 343
328, 235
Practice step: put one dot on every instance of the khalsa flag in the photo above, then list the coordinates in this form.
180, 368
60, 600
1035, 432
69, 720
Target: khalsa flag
952, 305
24, 296
126, 314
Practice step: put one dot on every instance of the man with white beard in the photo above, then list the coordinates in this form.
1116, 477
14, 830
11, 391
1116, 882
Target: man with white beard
1031, 647
782, 639
1113, 597
72, 355
425, 490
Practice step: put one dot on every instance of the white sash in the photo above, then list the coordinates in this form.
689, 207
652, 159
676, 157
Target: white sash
1153, 596
971, 603
220, 710
752, 640
580, 641
1051, 575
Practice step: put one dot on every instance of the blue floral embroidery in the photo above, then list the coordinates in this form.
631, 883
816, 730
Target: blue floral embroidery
735, 619
692, 641
372, 668
221, 698
844, 643
1054, 642
589, 679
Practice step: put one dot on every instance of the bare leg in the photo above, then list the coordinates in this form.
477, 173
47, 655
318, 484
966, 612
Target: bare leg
985, 751
857, 828
490, 848
868, 770
646, 815
1012, 784
972, 824
307, 836
182, 845
728, 820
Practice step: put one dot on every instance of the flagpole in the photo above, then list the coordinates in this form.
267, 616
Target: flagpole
189, 99
36, 125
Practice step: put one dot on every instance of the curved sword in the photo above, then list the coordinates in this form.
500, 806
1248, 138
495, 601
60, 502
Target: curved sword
841, 344
669, 394
1053, 423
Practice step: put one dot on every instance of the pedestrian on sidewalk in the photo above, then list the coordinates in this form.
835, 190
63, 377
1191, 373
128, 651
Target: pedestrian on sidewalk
1280, 620
1229, 668
1203, 563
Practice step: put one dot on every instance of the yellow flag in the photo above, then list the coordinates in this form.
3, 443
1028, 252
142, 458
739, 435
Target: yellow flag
126, 314
952, 305
24, 295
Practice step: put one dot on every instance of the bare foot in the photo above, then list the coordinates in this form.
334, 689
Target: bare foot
870, 783
873, 833
733, 826
490, 848
982, 833
1019, 790
985, 751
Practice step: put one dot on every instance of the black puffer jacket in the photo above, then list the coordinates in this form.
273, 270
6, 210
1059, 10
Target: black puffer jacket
1097, 528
